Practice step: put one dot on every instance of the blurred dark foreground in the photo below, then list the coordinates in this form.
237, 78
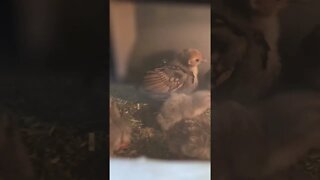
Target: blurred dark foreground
53, 76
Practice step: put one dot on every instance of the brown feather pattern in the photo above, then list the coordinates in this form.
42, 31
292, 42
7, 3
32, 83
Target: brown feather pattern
166, 79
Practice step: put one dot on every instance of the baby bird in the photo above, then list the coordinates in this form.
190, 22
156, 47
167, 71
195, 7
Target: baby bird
181, 106
120, 131
191, 138
263, 139
180, 75
187, 132
14, 161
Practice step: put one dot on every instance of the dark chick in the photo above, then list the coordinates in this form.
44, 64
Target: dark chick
187, 131
14, 161
190, 138
180, 75
261, 140
120, 131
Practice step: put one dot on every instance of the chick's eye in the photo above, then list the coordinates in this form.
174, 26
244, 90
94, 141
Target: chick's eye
197, 60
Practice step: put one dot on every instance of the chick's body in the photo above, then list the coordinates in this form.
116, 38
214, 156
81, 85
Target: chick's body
180, 75
186, 130
180, 106
191, 138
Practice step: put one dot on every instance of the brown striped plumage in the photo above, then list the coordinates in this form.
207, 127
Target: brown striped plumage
181, 75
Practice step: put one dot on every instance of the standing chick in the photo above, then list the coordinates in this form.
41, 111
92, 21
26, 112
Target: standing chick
14, 161
181, 106
180, 76
261, 140
120, 131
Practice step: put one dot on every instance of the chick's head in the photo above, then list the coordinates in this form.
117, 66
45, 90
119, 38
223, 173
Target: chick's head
191, 57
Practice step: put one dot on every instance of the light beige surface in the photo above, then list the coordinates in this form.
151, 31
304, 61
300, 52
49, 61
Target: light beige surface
150, 169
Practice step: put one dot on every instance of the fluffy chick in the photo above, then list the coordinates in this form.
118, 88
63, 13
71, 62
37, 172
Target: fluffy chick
15, 163
181, 106
187, 132
190, 138
258, 141
180, 75
120, 131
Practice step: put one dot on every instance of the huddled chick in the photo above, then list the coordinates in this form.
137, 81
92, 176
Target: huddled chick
191, 138
120, 131
14, 161
264, 139
187, 133
179, 75
181, 106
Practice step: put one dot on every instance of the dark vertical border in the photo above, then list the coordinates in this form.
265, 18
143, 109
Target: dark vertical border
212, 97
7, 35
109, 67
